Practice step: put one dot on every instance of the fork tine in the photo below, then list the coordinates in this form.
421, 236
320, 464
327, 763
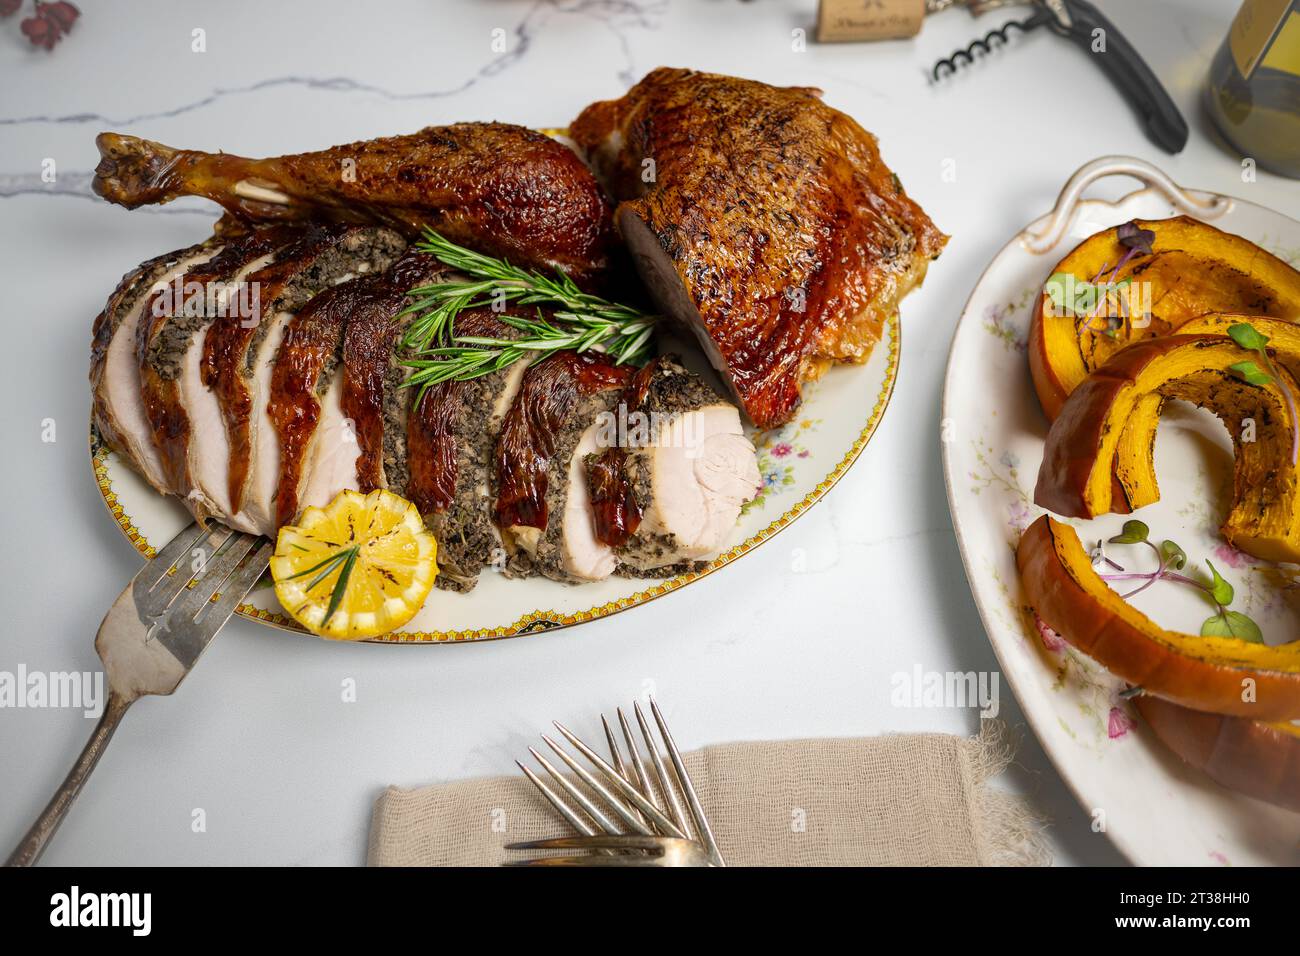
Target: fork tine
665, 783
237, 587
173, 551
575, 819
642, 778
688, 789
593, 811
187, 626
210, 578
187, 633
617, 755
173, 585
629, 791
617, 805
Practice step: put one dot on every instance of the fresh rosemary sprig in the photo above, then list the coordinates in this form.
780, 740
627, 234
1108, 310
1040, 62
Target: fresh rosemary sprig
625, 340
497, 283
342, 561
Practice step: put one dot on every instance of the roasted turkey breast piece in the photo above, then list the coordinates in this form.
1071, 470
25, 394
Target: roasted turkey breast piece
604, 467
668, 482
239, 357
451, 438
438, 454
763, 220
169, 341
501, 189
542, 506
208, 446
118, 404
373, 369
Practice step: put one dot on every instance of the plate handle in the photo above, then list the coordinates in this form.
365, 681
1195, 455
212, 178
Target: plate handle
1201, 205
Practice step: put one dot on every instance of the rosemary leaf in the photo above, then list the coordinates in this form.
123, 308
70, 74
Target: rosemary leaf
582, 321
341, 585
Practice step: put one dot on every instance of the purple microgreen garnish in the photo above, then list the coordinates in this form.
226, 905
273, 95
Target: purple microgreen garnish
1086, 300
1136, 240
1169, 559
1133, 237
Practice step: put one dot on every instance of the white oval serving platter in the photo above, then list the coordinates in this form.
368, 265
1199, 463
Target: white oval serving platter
799, 463
1155, 809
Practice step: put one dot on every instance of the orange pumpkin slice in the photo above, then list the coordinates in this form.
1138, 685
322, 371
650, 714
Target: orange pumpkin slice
1193, 269
1108, 426
1223, 675
1259, 759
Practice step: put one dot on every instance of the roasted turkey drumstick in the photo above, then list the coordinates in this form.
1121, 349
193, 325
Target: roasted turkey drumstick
502, 189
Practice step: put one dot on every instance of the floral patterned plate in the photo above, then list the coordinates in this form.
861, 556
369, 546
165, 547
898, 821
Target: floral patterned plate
1155, 809
799, 463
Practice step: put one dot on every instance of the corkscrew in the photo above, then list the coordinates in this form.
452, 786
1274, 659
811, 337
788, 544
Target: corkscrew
1086, 27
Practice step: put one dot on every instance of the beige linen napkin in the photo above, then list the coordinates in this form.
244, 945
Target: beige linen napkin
905, 799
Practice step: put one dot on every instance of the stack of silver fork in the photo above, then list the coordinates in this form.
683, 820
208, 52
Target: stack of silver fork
634, 814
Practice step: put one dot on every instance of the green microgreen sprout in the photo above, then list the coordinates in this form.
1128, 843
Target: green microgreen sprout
1252, 340
1170, 561
1085, 299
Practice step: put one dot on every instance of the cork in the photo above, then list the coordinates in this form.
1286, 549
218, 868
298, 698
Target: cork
852, 20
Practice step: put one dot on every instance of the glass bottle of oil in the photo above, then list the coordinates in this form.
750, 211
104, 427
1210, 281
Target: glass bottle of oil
1254, 87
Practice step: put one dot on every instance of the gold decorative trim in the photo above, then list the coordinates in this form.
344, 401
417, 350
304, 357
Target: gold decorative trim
536, 621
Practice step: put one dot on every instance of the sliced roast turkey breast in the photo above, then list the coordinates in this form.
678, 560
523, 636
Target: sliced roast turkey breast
451, 434
119, 407
170, 329
208, 446
373, 370
239, 356
542, 506
673, 470
316, 451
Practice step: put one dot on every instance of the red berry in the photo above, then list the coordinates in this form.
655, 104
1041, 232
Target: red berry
9, 7
39, 32
62, 13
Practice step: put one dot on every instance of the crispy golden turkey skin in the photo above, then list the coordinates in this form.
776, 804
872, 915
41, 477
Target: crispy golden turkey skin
762, 219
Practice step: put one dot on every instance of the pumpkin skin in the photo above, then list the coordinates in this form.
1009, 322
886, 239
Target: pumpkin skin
1193, 269
1099, 455
1201, 673
1261, 760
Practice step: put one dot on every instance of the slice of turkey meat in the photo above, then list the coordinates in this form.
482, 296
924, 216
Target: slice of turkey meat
584, 556
670, 446
692, 480
258, 512
119, 388
541, 496
450, 444
689, 468
209, 448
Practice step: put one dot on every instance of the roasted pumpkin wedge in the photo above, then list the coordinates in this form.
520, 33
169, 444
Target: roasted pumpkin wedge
1108, 427
1192, 269
1259, 759
1224, 675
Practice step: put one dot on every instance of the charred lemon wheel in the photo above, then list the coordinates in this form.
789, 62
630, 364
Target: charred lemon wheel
360, 567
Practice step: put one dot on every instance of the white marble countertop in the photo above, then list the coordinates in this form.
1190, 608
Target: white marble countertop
259, 738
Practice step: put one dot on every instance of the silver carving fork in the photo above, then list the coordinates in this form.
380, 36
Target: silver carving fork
151, 638
634, 815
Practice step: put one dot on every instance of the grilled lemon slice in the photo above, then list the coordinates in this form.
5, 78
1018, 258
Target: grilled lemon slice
360, 567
